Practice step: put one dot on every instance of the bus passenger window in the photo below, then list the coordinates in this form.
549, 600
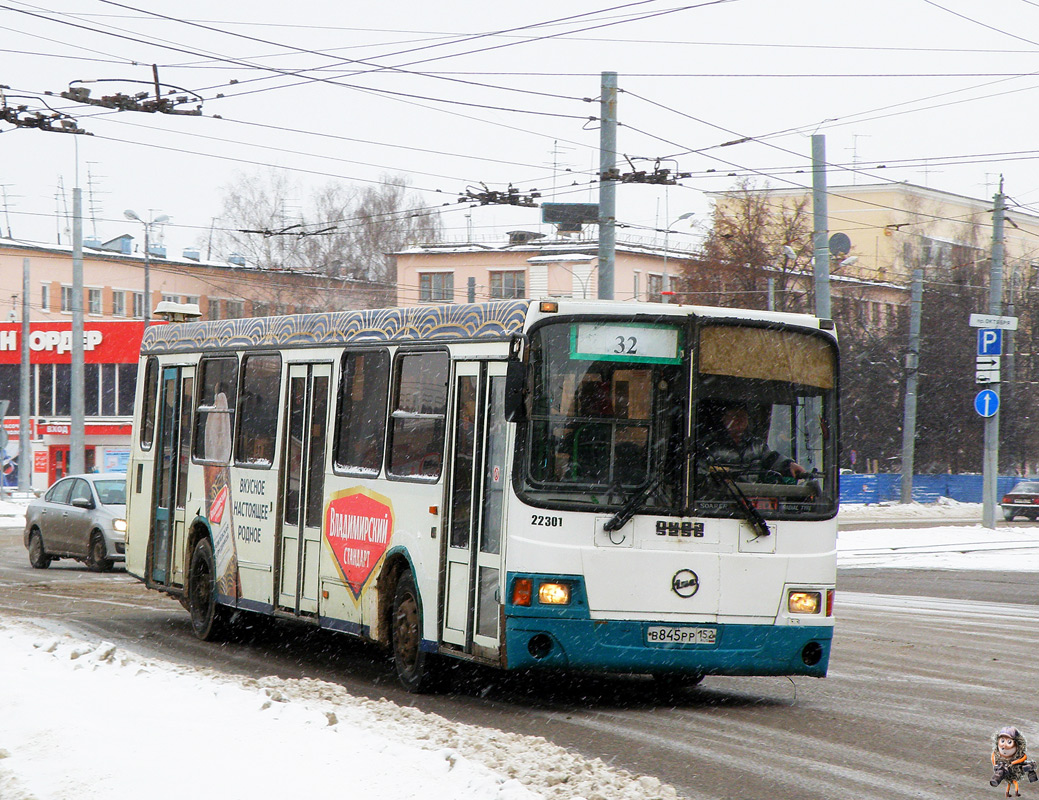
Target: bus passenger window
258, 411
361, 425
419, 410
151, 390
218, 394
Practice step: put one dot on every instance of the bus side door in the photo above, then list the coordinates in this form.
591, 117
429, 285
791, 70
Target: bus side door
303, 486
165, 556
475, 505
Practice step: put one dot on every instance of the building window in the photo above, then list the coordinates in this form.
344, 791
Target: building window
94, 301
118, 304
436, 287
138, 305
66, 298
234, 309
508, 285
45, 297
171, 298
635, 286
191, 299
654, 288
214, 308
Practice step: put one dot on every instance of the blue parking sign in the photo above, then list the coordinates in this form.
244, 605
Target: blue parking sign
990, 342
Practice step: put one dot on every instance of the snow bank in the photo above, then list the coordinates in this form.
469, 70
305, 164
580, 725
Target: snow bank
942, 547
95, 722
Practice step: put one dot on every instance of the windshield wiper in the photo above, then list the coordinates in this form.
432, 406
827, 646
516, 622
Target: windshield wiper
723, 476
634, 503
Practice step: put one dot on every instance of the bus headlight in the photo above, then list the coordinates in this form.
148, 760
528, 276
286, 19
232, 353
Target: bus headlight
119, 525
800, 602
554, 594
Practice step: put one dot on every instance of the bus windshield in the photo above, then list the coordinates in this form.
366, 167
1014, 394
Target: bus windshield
616, 414
607, 412
765, 422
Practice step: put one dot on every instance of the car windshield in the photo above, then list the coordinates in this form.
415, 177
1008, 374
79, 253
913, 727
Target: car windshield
111, 492
1026, 488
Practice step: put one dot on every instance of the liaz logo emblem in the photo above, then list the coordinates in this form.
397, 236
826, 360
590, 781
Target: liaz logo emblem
358, 528
685, 583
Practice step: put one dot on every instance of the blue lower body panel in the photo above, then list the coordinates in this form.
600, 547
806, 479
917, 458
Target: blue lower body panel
620, 646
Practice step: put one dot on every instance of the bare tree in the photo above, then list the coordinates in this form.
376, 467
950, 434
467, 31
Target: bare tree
756, 236
339, 232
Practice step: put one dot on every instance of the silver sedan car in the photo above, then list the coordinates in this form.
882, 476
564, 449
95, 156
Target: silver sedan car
81, 517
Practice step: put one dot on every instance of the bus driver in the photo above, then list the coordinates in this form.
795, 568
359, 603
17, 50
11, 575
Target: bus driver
732, 444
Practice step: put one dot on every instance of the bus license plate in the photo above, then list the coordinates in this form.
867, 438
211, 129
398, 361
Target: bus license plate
676, 634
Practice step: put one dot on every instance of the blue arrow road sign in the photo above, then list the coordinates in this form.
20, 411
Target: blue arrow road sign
986, 403
990, 342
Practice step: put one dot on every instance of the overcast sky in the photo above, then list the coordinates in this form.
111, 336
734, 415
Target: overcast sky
453, 94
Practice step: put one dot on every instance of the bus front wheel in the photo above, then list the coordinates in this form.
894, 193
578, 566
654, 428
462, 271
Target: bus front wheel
415, 668
208, 618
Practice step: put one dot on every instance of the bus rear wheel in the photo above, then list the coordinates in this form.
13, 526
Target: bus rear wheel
415, 669
209, 619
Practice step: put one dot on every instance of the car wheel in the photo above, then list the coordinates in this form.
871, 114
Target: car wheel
416, 669
209, 619
1008, 515
37, 555
97, 556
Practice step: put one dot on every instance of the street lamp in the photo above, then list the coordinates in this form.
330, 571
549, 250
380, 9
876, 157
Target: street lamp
131, 214
665, 288
563, 260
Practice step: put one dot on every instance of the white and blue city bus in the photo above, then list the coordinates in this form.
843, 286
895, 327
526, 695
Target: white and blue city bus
525, 484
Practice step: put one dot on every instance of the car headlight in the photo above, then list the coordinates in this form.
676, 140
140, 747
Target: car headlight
119, 525
800, 602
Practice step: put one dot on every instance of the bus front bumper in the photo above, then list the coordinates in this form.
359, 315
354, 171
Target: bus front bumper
624, 646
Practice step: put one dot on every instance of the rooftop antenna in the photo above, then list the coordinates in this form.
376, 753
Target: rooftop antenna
7, 209
61, 202
92, 199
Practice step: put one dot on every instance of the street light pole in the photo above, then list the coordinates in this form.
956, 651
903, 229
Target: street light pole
131, 214
665, 281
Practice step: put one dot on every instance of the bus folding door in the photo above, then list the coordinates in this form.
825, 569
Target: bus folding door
475, 504
303, 486
165, 547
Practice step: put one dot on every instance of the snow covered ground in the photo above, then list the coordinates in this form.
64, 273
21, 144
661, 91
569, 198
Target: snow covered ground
73, 713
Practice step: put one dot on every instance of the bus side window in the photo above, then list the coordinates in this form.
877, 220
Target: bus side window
151, 391
361, 418
419, 411
214, 422
258, 411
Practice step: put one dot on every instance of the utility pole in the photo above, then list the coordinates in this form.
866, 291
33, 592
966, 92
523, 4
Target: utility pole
77, 418
820, 217
25, 458
912, 380
607, 183
990, 463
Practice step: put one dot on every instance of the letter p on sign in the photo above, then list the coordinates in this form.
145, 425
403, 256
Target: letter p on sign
990, 342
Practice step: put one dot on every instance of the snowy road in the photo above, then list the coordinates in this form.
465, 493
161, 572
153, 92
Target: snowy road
905, 670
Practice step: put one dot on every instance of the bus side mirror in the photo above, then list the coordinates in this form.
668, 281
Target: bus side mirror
515, 385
